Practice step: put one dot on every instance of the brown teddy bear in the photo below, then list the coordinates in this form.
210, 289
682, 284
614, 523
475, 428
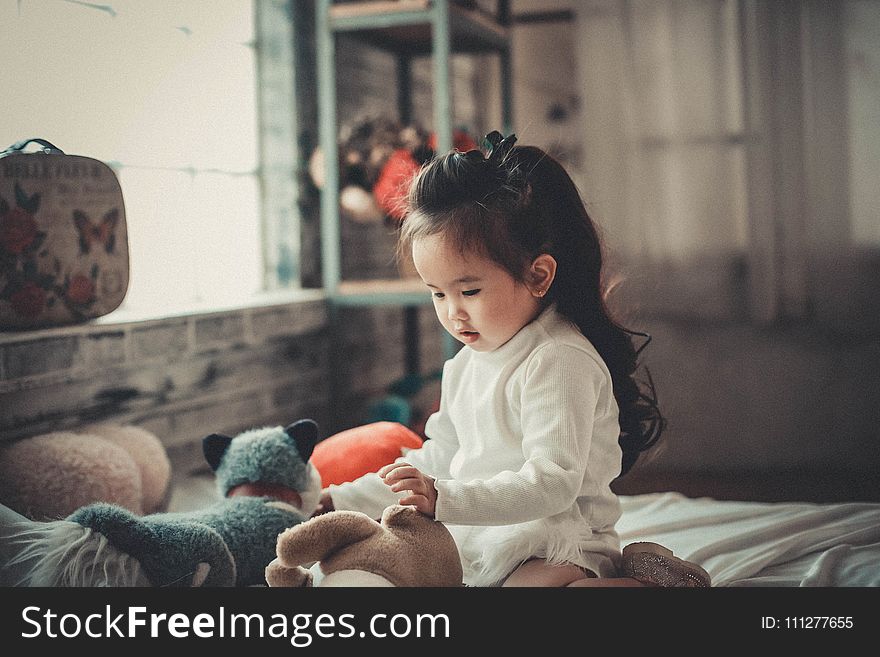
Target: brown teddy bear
405, 549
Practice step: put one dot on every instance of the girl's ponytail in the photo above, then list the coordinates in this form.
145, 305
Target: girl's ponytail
579, 293
512, 206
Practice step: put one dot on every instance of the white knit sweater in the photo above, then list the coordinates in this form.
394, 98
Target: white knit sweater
523, 450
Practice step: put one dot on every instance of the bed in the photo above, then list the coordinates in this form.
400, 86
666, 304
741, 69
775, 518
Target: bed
762, 543
740, 544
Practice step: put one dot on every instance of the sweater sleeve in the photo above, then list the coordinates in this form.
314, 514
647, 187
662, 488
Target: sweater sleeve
559, 401
370, 495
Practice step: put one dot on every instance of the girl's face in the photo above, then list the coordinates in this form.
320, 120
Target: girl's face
476, 300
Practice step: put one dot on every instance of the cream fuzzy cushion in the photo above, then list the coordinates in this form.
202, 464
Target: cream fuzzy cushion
149, 454
49, 476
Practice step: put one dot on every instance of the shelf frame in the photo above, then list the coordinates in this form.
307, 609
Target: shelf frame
451, 28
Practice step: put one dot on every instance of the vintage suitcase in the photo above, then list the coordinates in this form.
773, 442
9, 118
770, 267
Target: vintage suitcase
63, 238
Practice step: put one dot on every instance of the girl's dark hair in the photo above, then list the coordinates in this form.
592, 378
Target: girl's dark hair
511, 206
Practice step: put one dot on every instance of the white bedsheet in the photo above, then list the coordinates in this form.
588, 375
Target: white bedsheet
762, 544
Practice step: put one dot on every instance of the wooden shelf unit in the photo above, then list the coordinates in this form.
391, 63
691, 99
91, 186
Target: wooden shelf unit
408, 29
405, 26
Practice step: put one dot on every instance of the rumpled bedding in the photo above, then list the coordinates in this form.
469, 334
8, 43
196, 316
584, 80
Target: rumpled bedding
761, 544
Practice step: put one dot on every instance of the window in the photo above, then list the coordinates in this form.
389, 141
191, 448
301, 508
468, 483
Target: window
166, 92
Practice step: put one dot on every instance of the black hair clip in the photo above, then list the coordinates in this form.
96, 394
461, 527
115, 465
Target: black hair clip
498, 146
647, 341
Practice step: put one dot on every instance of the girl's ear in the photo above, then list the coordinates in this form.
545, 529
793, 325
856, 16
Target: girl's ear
541, 274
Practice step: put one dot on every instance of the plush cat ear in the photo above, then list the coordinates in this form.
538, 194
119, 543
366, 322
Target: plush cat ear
305, 435
214, 447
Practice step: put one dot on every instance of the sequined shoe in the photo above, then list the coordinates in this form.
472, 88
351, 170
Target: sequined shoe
655, 565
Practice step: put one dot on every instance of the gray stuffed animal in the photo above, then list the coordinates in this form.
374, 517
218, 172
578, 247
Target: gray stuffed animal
267, 484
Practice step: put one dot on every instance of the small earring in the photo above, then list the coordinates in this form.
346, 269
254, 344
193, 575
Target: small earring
540, 293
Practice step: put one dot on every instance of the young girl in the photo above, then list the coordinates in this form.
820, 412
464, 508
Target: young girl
539, 412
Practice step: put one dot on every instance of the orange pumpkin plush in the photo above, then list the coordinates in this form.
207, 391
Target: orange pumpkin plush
349, 454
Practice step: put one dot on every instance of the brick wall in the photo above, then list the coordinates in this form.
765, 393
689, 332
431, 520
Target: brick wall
180, 378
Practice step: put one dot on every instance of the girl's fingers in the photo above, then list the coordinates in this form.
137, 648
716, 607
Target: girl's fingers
415, 485
414, 500
404, 477
420, 502
384, 470
402, 472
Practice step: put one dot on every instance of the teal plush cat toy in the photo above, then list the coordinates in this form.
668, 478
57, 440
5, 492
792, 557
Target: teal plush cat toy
267, 484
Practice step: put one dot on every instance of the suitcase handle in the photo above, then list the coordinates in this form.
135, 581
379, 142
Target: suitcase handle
48, 147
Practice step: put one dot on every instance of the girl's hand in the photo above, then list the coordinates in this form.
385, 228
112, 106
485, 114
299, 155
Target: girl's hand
325, 504
403, 476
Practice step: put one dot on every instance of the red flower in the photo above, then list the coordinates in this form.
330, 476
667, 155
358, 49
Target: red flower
391, 188
17, 230
80, 290
29, 300
461, 141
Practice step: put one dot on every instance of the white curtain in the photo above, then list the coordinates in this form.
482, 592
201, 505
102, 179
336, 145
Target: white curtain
719, 155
